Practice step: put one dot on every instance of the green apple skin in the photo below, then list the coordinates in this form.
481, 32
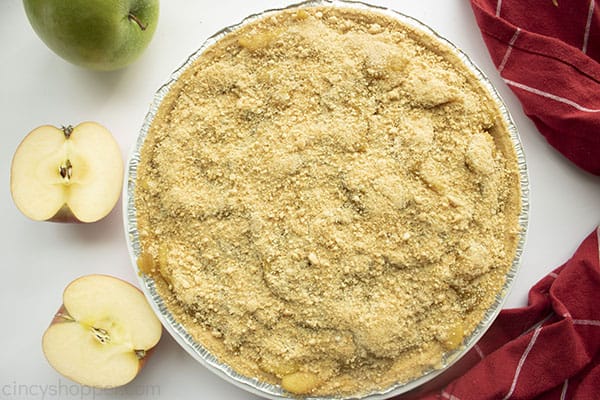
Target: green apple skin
97, 34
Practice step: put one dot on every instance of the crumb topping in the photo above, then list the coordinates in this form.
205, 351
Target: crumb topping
328, 200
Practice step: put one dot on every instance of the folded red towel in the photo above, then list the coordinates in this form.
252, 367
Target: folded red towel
547, 350
547, 51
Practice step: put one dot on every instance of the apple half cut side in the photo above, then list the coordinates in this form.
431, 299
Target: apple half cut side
103, 333
67, 175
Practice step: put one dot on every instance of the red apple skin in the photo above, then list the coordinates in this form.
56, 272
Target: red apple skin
62, 317
65, 215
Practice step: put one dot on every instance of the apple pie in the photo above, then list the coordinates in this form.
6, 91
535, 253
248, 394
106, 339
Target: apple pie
328, 200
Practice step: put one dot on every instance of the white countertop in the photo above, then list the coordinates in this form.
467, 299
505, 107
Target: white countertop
40, 259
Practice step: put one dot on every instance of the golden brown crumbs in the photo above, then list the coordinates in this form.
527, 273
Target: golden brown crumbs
328, 200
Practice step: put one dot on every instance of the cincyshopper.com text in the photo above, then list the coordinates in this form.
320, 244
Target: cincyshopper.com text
66, 390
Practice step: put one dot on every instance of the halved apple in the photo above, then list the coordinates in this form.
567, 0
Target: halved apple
67, 174
102, 334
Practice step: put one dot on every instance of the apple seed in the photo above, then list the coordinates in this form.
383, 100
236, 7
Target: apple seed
101, 335
66, 170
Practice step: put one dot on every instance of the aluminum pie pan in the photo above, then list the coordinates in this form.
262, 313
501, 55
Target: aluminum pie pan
430, 379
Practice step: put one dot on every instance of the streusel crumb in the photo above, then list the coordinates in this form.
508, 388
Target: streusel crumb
328, 200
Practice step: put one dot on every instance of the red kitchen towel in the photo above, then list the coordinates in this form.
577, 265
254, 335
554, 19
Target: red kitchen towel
548, 52
547, 350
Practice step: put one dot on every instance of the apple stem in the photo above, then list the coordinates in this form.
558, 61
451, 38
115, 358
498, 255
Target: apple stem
140, 354
65, 316
67, 130
66, 170
132, 17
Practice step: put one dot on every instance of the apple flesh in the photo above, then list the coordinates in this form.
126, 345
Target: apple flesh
96, 34
103, 333
68, 174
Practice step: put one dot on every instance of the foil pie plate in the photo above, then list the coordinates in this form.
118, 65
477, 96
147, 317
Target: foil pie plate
431, 379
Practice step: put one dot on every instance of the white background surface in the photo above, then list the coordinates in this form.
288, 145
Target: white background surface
39, 259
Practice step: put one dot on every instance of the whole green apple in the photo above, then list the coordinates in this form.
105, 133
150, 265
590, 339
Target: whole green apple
97, 34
